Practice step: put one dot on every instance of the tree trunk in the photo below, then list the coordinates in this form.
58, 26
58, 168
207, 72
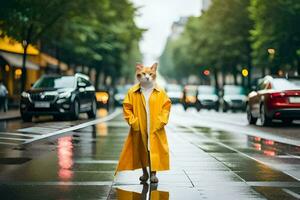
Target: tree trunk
224, 78
97, 78
24, 70
216, 79
235, 74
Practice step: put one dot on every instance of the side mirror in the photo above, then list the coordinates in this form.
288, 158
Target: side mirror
81, 85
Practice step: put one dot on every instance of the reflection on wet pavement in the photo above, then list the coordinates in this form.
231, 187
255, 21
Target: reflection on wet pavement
65, 158
205, 164
147, 192
272, 148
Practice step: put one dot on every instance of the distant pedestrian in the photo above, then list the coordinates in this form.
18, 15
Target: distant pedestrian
3, 97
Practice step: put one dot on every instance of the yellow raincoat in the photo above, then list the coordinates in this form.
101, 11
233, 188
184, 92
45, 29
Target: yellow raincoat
134, 154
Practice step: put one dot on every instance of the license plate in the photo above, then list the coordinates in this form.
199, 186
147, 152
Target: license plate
294, 99
42, 105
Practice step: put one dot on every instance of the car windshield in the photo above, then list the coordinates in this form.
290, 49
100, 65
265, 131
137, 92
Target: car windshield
295, 81
233, 90
174, 88
55, 82
207, 90
122, 89
284, 84
190, 91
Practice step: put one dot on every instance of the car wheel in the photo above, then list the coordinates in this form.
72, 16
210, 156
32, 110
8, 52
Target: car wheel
198, 107
265, 120
92, 113
251, 119
216, 108
184, 107
26, 118
225, 109
75, 110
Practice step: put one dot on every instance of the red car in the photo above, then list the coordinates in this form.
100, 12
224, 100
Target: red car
274, 98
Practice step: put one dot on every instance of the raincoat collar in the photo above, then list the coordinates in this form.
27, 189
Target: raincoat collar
137, 87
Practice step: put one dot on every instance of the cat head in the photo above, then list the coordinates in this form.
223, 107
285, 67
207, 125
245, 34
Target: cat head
146, 74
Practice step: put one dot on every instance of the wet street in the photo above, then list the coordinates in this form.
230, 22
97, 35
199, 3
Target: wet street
213, 156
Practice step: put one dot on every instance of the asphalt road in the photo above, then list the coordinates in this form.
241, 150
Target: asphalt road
212, 155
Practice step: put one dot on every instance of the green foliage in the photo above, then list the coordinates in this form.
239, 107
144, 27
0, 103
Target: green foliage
218, 39
97, 33
276, 26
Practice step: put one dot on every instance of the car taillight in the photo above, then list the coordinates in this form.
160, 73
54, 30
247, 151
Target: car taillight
278, 98
277, 94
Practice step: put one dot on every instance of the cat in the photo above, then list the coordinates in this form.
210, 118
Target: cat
147, 77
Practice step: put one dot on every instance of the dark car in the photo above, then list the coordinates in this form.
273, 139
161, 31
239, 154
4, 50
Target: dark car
174, 92
274, 98
233, 98
120, 94
189, 99
60, 96
208, 97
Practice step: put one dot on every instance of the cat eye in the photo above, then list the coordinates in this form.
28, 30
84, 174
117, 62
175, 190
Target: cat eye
144, 74
150, 74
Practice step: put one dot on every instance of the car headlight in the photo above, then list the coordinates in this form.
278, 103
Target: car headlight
25, 94
64, 95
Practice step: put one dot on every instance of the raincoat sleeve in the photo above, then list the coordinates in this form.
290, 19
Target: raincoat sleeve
128, 113
163, 117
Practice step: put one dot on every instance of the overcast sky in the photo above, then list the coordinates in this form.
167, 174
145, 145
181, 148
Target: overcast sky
157, 16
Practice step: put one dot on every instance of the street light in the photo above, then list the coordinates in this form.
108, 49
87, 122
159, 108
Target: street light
271, 51
245, 72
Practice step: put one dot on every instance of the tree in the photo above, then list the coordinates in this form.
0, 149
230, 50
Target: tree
27, 20
96, 33
276, 26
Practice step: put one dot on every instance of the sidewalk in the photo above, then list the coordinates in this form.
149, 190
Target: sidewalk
202, 169
10, 114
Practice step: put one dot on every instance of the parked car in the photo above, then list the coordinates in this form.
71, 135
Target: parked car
233, 98
189, 99
174, 92
60, 96
208, 97
274, 98
120, 94
103, 98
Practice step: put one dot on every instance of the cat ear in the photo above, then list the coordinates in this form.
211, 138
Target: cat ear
139, 66
154, 66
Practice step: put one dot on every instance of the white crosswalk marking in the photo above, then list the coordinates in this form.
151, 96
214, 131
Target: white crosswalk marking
27, 135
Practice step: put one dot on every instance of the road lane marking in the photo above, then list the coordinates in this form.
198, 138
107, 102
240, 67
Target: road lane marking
96, 161
73, 128
293, 194
55, 183
235, 150
8, 143
9, 138
37, 129
246, 130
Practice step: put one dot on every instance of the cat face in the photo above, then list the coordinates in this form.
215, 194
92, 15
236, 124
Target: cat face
146, 74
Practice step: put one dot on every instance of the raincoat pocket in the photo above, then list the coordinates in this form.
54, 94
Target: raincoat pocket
135, 124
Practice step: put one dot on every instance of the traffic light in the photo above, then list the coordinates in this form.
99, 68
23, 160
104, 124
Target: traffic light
245, 72
206, 72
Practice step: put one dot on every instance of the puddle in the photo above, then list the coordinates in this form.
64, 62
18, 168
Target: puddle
270, 147
142, 192
13, 161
